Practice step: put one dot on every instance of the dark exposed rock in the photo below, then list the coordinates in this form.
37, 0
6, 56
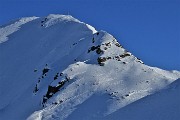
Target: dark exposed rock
125, 55
105, 48
61, 74
67, 78
93, 48
97, 48
108, 44
118, 58
127, 95
35, 89
99, 51
74, 43
52, 90
45, 70
56, 76
93, 40
108, 58
101, 60
117, 44
138, 58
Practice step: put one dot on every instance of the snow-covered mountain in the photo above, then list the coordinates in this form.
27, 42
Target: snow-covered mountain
57, 68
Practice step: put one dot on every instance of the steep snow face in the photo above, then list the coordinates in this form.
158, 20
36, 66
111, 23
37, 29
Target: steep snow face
9, 29
57, 67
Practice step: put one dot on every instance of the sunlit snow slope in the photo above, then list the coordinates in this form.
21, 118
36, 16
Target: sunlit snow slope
57, 68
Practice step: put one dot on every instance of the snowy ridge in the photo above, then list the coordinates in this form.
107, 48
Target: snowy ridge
91, 28
57, 67
4, 32
53, 19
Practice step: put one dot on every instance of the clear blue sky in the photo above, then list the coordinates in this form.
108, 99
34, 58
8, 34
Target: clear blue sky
150, 29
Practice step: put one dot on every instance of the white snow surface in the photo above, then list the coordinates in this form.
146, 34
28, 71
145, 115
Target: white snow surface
58, 68
9, 29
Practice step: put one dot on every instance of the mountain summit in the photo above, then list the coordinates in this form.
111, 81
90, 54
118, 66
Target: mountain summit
56, 68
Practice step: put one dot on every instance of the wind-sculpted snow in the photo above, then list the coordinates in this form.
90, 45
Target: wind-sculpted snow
57, 67
10, 29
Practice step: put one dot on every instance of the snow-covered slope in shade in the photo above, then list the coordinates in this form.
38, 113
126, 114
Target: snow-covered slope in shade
163, 105
57, 67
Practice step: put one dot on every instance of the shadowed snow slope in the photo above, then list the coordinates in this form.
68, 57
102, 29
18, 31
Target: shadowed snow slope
59, 68
163, 105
